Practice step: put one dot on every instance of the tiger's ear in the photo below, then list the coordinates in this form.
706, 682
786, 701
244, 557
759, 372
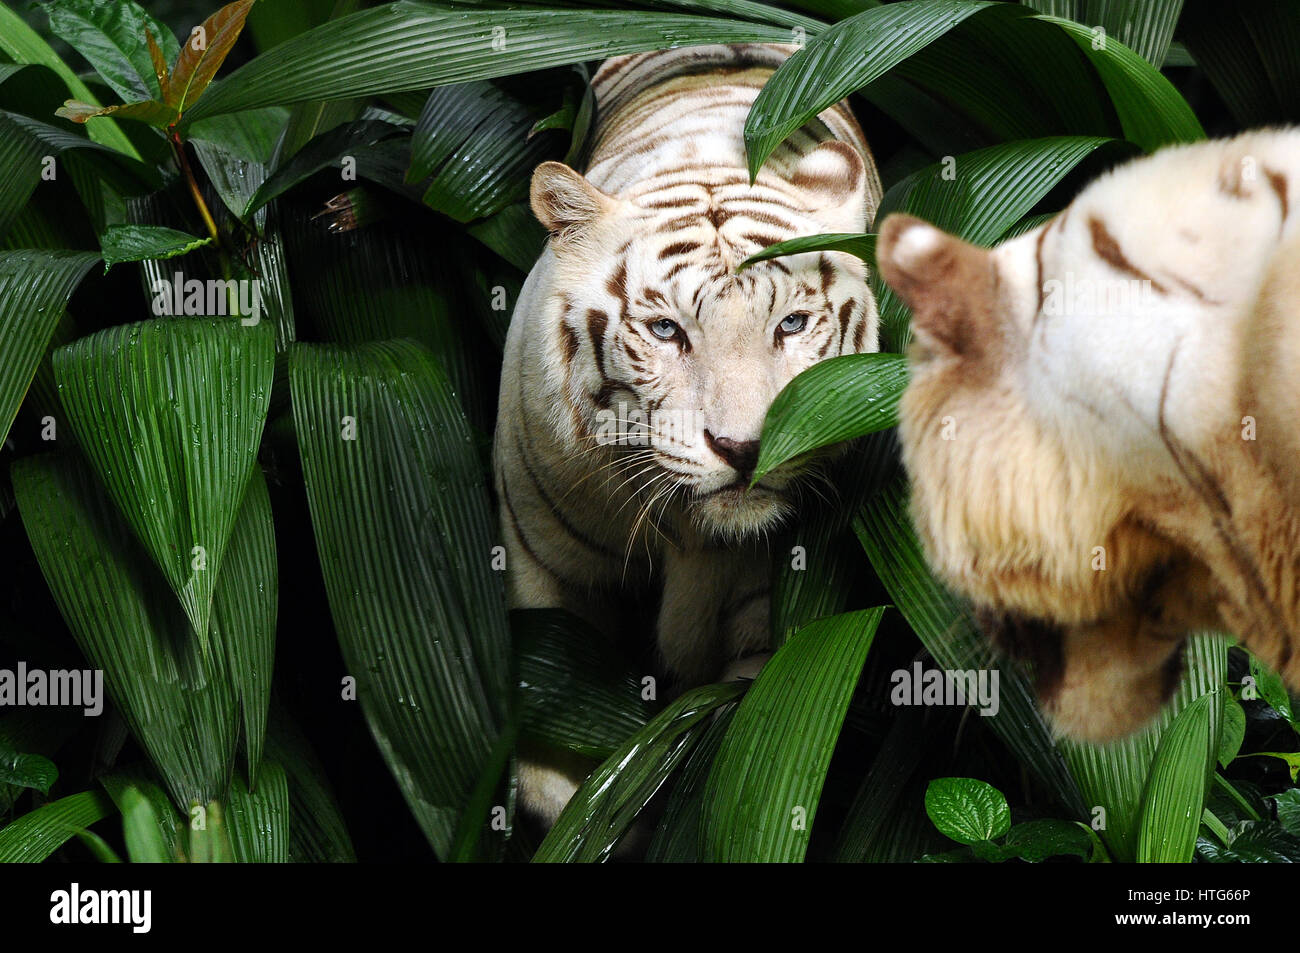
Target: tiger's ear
835, 178
949, 284
565, 202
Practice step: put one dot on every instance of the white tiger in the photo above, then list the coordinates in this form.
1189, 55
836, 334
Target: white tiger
639, 365
1102, 422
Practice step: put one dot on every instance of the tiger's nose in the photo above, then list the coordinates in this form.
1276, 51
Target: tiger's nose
741, 455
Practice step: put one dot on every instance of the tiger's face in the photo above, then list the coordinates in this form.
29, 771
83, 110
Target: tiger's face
675, 356
1066, 561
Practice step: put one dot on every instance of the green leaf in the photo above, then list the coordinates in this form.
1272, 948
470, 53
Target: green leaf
33, 837
834, 400
110, 34
150, 824
170, 413
122, 243
576, 692
978, 197
26, 770
1288, 809
418, 610
1270, 686
34, 290
513, 233
1234, 730
844, 58
1036, 841
678, 836
151, 112
1254, 842
356, 139
203, 53
404, 46
766, 782
864, 246
22, 44
480, 144
1151, 111
182, 705
257, 822
317, 833
966, 810
603, 809
1176, 786
1146, 28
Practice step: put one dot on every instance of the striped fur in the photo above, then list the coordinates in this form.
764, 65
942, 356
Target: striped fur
1101, 424
594, 500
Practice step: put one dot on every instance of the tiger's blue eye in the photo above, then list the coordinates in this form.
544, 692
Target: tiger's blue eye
664, 329
793, 323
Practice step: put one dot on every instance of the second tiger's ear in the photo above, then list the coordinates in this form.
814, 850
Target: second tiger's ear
948, 283
564, 202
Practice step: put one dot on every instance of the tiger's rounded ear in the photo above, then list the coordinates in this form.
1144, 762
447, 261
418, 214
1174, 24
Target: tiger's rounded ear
835, 177
948, 283
565, 202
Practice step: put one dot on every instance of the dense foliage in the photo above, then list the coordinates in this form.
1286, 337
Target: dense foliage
250, 330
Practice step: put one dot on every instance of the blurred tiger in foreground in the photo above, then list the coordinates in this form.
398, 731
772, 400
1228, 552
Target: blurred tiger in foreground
640, 365
1103, 423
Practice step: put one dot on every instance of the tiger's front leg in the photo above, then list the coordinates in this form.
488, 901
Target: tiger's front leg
715, 612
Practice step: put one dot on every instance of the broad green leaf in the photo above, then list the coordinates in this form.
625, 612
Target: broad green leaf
1036, 841
110, 34
863, 246
170, 413
1234, 730
34, 731
1176, 785
203, 53
405, 45
257, 822
766, 782
886, 822
1269, 685
576, 691
317, 833
209, 842
846, 57
34, 290
946, 629
27, 146
150, 824
605, 806
357, 140
480, 142
1288, 809
36, 835
678, 836
22, 44
835, 400
1254, 842
182, 705
122, 243
1145, 28
1152, 112
967, 810
25, 769
419, 612
513, 233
